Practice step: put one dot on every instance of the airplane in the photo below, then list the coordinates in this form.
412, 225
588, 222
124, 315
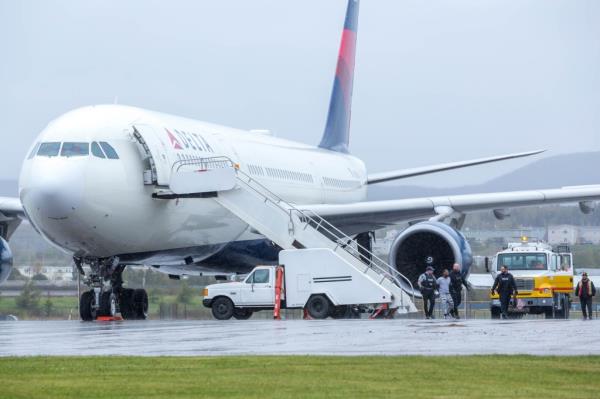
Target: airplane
94, 181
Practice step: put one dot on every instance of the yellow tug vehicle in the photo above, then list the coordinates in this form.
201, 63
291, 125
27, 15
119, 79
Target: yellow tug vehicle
544, 279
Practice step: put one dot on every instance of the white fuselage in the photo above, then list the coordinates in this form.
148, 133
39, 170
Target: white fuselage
99, 207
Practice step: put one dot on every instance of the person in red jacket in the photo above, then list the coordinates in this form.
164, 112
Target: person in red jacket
585, 290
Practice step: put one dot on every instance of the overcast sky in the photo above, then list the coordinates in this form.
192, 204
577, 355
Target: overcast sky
435, 81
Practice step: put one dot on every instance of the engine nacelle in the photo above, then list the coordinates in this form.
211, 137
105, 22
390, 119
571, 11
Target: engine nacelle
429, 244
6, 260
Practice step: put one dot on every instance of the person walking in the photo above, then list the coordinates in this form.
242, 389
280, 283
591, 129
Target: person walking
456, 284
505, 286
585, 290
427, 286
444, 284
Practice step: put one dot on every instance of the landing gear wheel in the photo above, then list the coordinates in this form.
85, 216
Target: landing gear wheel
318, 307
126, 304
108, 304
86, 302
140, 304
222, 308
242, 314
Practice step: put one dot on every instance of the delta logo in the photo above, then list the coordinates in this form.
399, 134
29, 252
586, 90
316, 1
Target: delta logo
174, 142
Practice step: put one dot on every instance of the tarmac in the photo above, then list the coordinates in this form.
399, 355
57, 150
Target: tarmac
300, 337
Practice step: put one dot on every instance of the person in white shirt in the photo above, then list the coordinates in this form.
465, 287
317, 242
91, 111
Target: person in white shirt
445, 296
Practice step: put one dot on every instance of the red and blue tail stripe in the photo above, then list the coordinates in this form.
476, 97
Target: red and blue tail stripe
337, 129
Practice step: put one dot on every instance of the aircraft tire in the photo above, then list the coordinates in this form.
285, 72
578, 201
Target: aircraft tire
222, 308
108, 304
85, 306
318, 307
242, 314
126, 304
140, 303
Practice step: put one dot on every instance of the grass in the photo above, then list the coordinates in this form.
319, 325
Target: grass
300, 376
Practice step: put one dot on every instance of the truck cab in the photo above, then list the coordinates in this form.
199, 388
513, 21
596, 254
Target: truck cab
543, 275
254, 292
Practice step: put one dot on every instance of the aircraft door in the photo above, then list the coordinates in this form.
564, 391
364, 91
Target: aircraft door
155, 153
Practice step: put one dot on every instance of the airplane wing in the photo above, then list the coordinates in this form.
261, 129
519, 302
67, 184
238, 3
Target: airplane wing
11, 215
372, 215
424, 170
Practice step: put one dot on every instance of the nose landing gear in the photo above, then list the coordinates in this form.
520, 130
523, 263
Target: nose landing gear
107, 297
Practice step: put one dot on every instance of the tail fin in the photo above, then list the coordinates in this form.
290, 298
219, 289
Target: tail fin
337, 129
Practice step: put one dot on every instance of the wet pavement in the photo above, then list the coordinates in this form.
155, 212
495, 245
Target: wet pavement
300, 337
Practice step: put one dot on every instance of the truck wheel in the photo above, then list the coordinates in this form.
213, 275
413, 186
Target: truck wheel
495, 311
318, 307
242, 314
548, 314
222, 308
564, 312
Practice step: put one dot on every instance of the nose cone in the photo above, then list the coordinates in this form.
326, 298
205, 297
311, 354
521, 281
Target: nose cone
54, 189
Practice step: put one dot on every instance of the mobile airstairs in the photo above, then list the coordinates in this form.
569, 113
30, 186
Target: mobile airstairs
283, 223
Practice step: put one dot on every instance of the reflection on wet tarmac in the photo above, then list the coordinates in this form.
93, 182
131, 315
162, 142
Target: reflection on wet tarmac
264, 337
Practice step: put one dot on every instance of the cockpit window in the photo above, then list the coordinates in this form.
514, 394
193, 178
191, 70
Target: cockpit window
97, 151
108, 150
75, 149
49, 149
34, 150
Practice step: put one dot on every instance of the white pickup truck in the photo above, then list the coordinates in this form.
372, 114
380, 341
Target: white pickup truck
323, 290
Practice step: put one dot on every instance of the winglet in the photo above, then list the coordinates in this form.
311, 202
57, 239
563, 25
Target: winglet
337, 129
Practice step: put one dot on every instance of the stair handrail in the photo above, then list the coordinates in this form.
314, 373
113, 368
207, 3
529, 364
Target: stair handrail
342, 240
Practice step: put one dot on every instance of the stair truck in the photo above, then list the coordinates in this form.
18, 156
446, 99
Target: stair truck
314, 279
543, 275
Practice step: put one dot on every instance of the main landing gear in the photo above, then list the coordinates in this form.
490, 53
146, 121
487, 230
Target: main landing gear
107, 297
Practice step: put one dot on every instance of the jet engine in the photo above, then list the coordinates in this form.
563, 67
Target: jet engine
429, 244
6, 260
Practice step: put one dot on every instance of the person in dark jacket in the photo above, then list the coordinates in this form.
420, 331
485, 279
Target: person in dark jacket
456, 284
427, 285
505, 286
585, 290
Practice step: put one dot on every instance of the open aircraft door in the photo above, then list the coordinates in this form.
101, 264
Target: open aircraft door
155, 155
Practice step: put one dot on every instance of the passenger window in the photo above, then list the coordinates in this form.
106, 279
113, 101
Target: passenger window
108, 150
97, 151
75, 149
34, 150
49, 149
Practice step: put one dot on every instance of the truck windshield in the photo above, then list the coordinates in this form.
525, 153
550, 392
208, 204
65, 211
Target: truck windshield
523, 261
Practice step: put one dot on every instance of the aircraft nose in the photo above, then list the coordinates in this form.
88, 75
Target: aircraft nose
55, 190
